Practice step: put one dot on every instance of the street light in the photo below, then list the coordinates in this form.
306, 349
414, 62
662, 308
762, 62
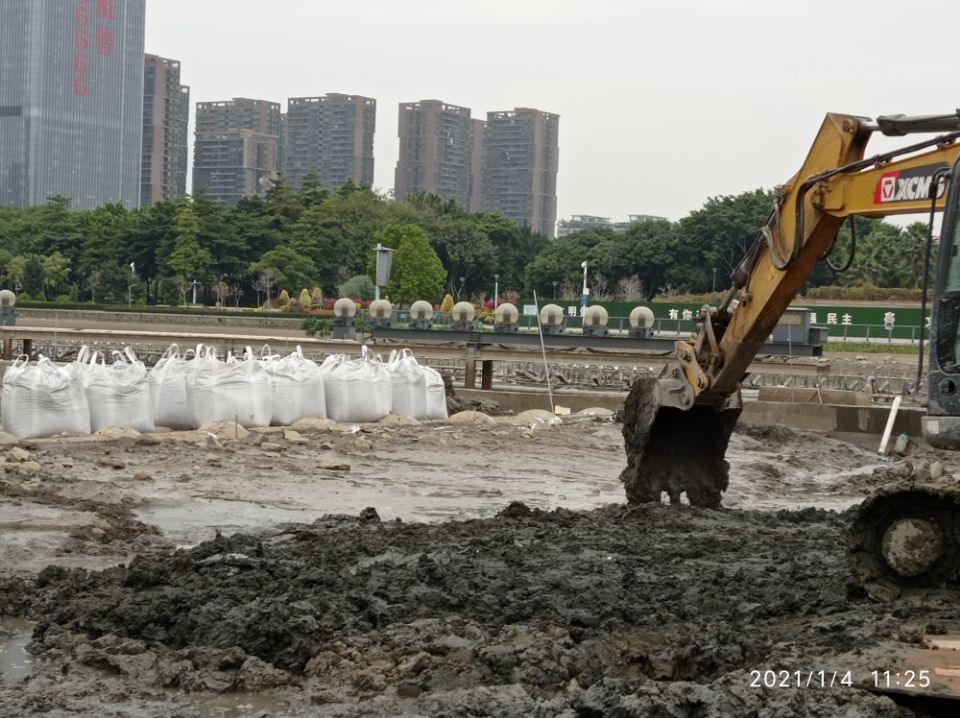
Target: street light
586, 292
496, 290
714, 279
463, 281
133, 280
554, 283
194, 284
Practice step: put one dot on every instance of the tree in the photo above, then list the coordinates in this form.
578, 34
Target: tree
188, 260
418, 272
16, 268
288, 267
56, 271
264, 283
359, 286
33, 279
222, 291
465, 251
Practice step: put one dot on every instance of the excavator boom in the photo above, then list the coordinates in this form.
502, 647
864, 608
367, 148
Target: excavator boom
676, 429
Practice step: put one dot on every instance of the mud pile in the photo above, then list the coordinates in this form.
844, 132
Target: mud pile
640, 611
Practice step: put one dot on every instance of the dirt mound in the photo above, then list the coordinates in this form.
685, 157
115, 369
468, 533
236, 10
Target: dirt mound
620, 611
774, 435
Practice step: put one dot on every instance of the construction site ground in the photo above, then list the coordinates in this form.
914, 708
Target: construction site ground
483, 566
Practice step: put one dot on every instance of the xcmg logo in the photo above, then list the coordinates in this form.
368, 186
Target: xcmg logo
907, 185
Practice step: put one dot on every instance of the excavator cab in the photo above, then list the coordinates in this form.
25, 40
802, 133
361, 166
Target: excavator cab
941, 425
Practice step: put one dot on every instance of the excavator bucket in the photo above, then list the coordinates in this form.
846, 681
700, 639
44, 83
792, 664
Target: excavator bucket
675, 450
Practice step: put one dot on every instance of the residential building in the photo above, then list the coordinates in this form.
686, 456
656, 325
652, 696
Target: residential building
521, 156
235, 148
71, 101
331, 136
440, 152
166, 120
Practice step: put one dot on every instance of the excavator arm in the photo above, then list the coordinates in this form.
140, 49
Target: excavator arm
676, 429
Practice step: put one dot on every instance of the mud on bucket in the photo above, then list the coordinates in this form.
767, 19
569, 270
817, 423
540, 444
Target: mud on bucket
673, 450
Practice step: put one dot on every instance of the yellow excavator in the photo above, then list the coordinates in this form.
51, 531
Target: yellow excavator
677, 427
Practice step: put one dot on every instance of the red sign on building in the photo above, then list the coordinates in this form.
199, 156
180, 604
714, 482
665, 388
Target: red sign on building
81, 41
105, 9
105, 41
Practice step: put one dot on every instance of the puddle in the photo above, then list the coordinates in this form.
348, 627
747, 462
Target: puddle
15, 662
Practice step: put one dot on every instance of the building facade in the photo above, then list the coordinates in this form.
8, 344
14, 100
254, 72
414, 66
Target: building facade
166, 120
580, 222
521, 158
331, 136
71, 101
235, 152
440, 152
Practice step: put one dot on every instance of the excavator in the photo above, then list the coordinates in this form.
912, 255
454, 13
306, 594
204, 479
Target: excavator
678, 425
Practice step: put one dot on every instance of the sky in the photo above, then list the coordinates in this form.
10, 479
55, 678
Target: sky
661, 104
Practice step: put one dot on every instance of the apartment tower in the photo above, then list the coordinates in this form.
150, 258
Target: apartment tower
331, 136
235, 148
166, 119
440, 152
521, 155
71, 101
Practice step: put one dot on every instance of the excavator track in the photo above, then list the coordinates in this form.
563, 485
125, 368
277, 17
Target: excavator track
905, 536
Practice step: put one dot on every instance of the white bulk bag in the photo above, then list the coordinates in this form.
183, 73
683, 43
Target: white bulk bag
41, 400
436, 394
357, 389
238, 389
298, 388
118, 394
408, 386
168, 388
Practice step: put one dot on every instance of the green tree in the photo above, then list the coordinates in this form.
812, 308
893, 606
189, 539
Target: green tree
288, 268
418, 272
56, 271
33, 276
466, 251
359, 286
188, 259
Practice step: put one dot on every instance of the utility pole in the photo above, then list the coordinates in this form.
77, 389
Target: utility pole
496, 291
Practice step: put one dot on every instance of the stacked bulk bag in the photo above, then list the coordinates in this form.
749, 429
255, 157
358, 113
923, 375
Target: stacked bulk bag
117, 394
42, 399
408, 386
236, 390
168, 388
357, 389
298, 388
436, 394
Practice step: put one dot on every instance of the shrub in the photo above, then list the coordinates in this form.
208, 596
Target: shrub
317, 325
305, 298
446, 305
63, 298
359, 286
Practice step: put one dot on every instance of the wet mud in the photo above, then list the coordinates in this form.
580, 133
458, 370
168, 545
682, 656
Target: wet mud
562, 604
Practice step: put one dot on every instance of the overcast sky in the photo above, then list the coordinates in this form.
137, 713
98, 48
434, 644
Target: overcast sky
661, 104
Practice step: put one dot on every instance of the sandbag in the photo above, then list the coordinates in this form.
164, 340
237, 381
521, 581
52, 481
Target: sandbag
436, 394
42, 399
408, 386
236, 390
168, 388
298, 388
118, 394
357, 389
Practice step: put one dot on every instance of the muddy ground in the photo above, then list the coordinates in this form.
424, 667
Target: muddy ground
496, 572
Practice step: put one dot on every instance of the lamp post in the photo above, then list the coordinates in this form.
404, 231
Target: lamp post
133, 279
496, 291
463, 282
586, 292
194, 284
554, 283
714, 279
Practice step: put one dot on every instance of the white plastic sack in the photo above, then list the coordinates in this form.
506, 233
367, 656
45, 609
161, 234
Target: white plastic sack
436, 394
118, 394
41, 400
168, 389
238, 389
408, 386
357, 389
298, 388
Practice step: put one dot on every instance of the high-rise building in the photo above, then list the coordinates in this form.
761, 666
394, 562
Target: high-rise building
521, 155
235, 148
477, 129
166, 119
71, 101
440, 152
331, 136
